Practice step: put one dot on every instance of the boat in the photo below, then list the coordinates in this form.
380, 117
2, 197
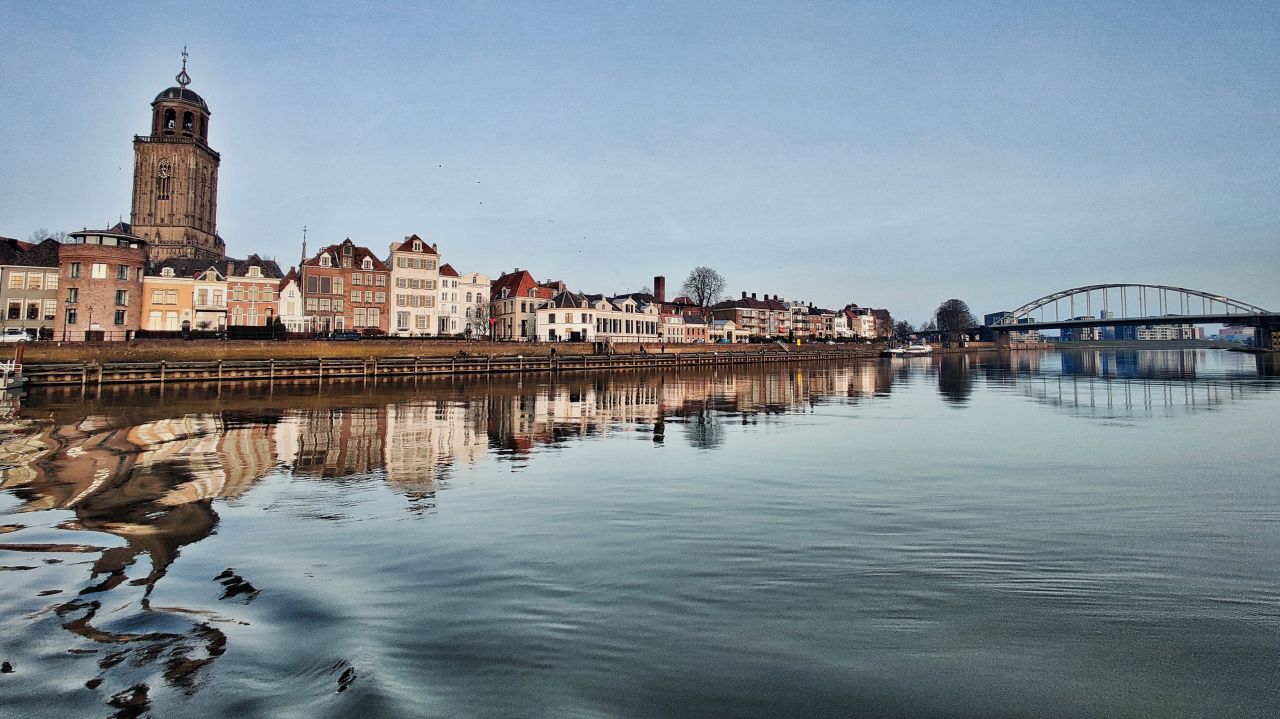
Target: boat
908, 351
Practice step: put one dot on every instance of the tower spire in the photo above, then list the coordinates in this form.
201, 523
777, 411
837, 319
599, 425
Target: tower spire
183, 78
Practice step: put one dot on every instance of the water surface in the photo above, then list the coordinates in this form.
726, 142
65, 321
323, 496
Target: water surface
1077, 534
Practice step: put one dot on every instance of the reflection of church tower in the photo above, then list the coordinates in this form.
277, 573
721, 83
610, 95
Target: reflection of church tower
175, 177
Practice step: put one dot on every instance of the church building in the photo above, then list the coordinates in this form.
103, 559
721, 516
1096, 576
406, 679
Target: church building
175, 178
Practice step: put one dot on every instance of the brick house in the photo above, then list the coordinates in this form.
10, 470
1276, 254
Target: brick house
252, 284
100, 273
345, 287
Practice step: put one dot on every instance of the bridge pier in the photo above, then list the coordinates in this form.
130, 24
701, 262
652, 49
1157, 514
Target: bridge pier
1003, 341
1267, 337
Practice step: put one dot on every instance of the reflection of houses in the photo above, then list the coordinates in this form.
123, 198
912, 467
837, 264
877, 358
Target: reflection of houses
425, 437
339, 442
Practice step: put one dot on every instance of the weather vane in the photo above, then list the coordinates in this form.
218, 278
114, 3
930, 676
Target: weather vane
183, 78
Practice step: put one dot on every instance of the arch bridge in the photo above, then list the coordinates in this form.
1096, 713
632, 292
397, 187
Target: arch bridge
1130, 305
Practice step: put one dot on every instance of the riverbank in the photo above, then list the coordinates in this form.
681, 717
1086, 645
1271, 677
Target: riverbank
235, 350
347, 361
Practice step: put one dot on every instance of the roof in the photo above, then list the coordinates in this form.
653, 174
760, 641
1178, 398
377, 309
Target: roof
568, 299
11, 249
518, 282
358, 256
187, 266
407, 246
446, 270
290, 276
182, 94
240, 268
44, 254
694, 320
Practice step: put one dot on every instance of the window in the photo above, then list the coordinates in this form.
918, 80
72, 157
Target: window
551, 318
355, 279
337, 305
380, 297
401, 283
122, 297
98, 271
74, 270
368, 296
402, 321
157, 297
468, 297
155, 320
50, 310
359, 318
402, 300
380, 280
367, 264
202, 297
368, 279
355, 295
374, 317
17, 280
325, 261
166, 272
325, 304
253, 294
255, 271
15, 309
312, 304
51, 280
73, 295
119, 318
122, 272
421, 322
313, 284
337, 285
325, 283
163, 175
71, 315
217, 297
417, 246
171, 297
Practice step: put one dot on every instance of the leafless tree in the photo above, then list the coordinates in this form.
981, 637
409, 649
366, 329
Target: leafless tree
704, 286
41, 234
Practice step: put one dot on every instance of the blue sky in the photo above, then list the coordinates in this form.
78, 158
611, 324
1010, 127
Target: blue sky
892, 155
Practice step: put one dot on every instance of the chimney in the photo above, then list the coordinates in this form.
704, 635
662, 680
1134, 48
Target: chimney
659, 289
744, 294
231, 268
753, 295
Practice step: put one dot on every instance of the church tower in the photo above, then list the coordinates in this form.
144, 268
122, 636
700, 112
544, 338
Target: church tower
175, 178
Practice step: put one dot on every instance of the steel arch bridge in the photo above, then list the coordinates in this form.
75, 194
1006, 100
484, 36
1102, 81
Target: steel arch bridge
1132, 304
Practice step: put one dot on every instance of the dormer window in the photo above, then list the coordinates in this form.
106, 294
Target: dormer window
325, 261
166, 272
210, 276
255, 271
417, 246
367, 264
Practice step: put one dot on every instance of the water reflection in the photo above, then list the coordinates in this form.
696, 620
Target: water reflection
140, 475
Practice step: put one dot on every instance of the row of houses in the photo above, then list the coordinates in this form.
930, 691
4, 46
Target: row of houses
101, 285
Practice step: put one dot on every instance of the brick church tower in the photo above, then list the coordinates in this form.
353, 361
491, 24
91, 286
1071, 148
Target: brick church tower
175, 178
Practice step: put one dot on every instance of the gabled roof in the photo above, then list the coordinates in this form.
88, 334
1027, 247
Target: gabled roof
568, 300
290, 276
694, 320
240, 268
44, 254
446, 270
407, 246
358, 256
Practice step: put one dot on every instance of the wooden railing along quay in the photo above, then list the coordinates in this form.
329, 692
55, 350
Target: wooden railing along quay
93, 373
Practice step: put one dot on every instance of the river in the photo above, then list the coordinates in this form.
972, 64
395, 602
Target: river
1088, 533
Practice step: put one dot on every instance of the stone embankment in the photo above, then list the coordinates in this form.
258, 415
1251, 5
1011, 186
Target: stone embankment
210, 361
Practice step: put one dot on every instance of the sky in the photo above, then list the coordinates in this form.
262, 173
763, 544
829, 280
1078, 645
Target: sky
890, 155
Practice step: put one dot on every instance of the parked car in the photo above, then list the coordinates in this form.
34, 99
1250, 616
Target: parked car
14, 334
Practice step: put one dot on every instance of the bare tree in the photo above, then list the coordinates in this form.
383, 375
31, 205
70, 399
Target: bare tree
479, 325
902, 329
43, 233
704, 286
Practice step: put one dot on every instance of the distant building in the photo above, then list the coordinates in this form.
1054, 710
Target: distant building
29, 286
415, 276
100, 272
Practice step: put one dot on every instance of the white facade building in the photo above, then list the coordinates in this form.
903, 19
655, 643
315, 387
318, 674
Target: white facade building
415, 276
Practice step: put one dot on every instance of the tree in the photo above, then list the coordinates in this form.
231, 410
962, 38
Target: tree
902, 329
704, 286
479, 325
953, 317
42, 233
